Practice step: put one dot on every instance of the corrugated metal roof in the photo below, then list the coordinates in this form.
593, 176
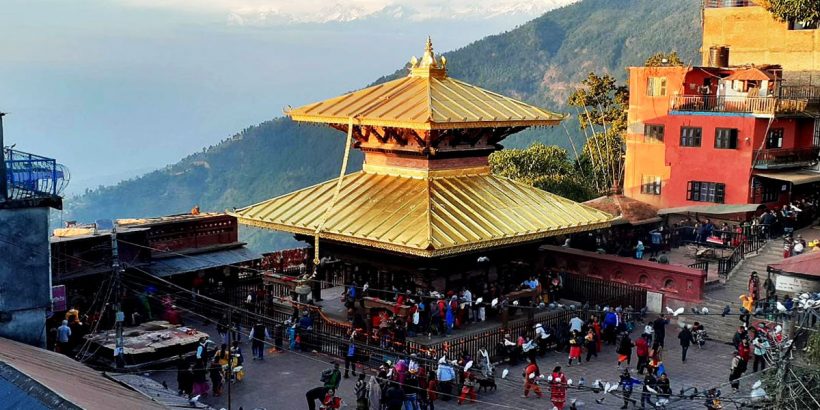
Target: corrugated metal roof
798, 177
182, 264
73, 381
428, 217
806, 264
425, 103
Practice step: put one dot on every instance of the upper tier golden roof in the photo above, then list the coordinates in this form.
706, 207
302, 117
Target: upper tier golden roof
439, 213
426, 99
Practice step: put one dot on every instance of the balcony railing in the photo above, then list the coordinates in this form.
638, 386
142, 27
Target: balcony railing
31, 176
786, 157
753, 105
716, 4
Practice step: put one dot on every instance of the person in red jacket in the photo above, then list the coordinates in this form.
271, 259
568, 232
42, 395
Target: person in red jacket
642, 351
558, 388
531, 374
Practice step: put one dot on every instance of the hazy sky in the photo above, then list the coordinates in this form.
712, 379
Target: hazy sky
113, 88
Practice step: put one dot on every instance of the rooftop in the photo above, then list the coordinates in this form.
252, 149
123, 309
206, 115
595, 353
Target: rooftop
32, 375
426, 99
440, 213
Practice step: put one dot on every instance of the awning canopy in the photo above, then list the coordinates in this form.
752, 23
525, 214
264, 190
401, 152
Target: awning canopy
443, 213
799, 177
805, 264
722, 209
183, 264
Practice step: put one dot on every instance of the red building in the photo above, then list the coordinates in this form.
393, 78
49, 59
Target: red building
705, 135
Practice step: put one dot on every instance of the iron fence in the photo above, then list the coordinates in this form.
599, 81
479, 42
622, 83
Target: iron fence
602, 292
31, 176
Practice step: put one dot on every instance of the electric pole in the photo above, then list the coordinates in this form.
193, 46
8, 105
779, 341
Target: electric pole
119, 315
230, 359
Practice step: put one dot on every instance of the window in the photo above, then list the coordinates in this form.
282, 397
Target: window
726, 138
775, 138
650, 185
816, 141
706, 191
771, 192
656, 86
653, 133
690, 136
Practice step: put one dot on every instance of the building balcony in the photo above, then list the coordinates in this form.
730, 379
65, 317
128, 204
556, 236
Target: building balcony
33, 178
739, 104
786, 158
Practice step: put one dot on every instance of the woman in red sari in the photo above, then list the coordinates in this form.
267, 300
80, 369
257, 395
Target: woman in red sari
558, 388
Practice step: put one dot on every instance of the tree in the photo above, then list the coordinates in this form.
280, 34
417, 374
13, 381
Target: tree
806, 11
544, 167
657, 59
601, 109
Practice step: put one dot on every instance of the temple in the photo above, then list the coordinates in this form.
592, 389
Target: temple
425, 198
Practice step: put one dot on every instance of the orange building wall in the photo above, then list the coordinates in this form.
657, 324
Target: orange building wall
647, 158
755, 37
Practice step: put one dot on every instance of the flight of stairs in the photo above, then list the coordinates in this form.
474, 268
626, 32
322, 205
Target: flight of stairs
716, 297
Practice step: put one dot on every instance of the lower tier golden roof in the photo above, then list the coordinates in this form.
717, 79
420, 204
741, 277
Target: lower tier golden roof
425, 216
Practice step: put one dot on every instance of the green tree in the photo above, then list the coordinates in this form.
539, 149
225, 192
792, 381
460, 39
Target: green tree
545, 167
806, 11
601, 110
657, 59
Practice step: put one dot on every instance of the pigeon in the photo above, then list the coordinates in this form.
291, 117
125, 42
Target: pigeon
569, 382
165, 385
612, 388
781, 308
757, 385
494, 302
695, 311
586, 306
804, 296
552, 306
193, 400
674, 313
505, 373
515, 303
442, 360
582, 382
596, 386
704, 310
549, 378
651, 390
468, 365
600, 401
607, 386
572, 307
479, 300
726, 310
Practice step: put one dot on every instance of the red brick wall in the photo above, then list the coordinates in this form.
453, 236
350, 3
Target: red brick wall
675, 282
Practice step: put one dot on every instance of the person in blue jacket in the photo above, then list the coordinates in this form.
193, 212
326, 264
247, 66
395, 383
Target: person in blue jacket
627, 384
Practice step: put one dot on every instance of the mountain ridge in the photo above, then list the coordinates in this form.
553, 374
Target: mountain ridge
539, 62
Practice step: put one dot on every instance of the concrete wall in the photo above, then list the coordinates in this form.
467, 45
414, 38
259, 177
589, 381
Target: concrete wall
755, 37
25, 276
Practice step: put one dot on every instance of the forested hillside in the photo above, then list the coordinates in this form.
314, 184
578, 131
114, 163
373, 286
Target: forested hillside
540, 62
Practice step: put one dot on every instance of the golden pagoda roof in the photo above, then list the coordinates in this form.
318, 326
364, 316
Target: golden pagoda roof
425, 99
430, 213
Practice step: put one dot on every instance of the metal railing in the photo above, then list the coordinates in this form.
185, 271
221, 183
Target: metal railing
702, 266
718, 4
755, 105
31, 176
780, 157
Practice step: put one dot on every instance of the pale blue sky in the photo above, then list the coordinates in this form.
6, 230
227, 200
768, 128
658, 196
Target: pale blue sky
114, 88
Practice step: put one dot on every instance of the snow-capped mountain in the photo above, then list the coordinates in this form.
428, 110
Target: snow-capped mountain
277, 13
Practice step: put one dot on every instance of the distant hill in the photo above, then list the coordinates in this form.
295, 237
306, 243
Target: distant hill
539, 62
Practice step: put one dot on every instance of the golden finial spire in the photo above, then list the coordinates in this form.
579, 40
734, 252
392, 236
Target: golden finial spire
428, 65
